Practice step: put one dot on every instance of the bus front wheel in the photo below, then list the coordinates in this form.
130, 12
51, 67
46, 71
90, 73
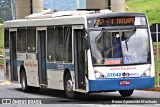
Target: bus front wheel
126, 92
68, 86
24, 81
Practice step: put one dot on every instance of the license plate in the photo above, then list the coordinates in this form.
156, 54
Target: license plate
125, 82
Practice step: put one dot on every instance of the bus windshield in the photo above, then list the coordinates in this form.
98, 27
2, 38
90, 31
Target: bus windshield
120, 46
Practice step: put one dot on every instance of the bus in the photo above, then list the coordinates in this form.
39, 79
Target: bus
80, 52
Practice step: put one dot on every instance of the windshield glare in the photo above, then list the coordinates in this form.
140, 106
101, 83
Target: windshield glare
120, 47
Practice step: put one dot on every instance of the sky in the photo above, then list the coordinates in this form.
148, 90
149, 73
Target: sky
62, 5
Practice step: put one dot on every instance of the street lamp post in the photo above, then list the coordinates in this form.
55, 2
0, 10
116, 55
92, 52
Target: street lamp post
157, 53
51, 4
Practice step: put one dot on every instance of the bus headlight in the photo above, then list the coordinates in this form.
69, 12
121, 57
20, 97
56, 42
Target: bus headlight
146, 73
98, 74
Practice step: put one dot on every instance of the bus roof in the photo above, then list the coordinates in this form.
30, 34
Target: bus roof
62, 18
116, 14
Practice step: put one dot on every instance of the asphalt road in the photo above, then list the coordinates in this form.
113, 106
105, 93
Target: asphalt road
57, 98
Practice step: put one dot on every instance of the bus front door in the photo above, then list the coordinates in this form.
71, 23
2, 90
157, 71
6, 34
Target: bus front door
13, 56
79, 59
41, 55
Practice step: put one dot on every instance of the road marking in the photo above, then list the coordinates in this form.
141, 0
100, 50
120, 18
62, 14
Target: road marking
5, 83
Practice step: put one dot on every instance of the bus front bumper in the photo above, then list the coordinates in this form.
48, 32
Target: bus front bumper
114, 84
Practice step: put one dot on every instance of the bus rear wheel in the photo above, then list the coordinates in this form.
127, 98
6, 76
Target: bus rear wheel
68, 86
23, 79
126, 92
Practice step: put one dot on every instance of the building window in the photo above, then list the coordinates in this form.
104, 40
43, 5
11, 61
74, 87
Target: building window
59, 44
50, 44
6, 39
67, 44
31, 39
21, 40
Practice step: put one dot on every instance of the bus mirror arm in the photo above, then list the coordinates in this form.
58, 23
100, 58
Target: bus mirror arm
85, 30
85, 39
85, 43
36, 55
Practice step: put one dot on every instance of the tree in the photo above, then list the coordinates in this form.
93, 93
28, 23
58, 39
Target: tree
5, 10
1, 20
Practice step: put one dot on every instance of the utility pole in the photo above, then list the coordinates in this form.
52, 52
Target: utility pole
157, 53
51, 4
12, 9
78, 7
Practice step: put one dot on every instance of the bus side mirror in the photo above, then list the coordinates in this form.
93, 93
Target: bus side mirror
85, 43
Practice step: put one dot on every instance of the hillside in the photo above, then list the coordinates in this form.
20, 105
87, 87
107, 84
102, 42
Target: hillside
1, 36
150, 7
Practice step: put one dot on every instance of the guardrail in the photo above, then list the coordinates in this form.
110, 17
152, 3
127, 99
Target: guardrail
1, 57
1, 65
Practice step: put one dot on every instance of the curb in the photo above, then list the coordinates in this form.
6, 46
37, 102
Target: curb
1, 66
156, 89
4, 83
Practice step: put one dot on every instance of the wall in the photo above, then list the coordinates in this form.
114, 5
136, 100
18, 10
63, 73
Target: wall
116, 5
23, 7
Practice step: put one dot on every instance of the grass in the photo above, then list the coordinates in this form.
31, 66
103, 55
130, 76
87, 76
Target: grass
1, 41
150, 7
156, 61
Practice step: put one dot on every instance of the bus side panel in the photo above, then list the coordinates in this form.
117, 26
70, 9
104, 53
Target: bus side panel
55, 79
31, 68
114, 84
7, 73
55, 73
20, 62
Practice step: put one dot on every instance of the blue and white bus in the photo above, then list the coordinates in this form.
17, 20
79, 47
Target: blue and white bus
80, 51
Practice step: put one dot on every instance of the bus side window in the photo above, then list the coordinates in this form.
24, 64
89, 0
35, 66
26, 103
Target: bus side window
67, 44
50, 44
31, 39
59, 44
21, 38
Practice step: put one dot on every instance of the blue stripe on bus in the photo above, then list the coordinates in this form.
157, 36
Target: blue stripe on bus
60, 66
114, 84
53, 66
20, 62
8, 61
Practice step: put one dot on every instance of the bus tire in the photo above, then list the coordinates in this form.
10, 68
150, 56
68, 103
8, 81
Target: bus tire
34, 89
126, 92
68, 86
23, 79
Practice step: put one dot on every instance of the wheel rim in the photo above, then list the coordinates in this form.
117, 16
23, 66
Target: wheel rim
23, 82
69, 86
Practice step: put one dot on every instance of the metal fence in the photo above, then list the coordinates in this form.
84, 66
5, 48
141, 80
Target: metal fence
155, 31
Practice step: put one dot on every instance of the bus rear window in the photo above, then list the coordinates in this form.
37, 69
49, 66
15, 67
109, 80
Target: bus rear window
6, 39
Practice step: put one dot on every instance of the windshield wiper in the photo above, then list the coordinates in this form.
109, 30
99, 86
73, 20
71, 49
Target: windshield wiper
126, 44
127, 39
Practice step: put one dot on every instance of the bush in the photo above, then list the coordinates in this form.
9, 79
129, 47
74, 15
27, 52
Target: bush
1, 21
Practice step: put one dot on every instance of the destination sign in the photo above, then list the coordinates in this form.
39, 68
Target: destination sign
115, 21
